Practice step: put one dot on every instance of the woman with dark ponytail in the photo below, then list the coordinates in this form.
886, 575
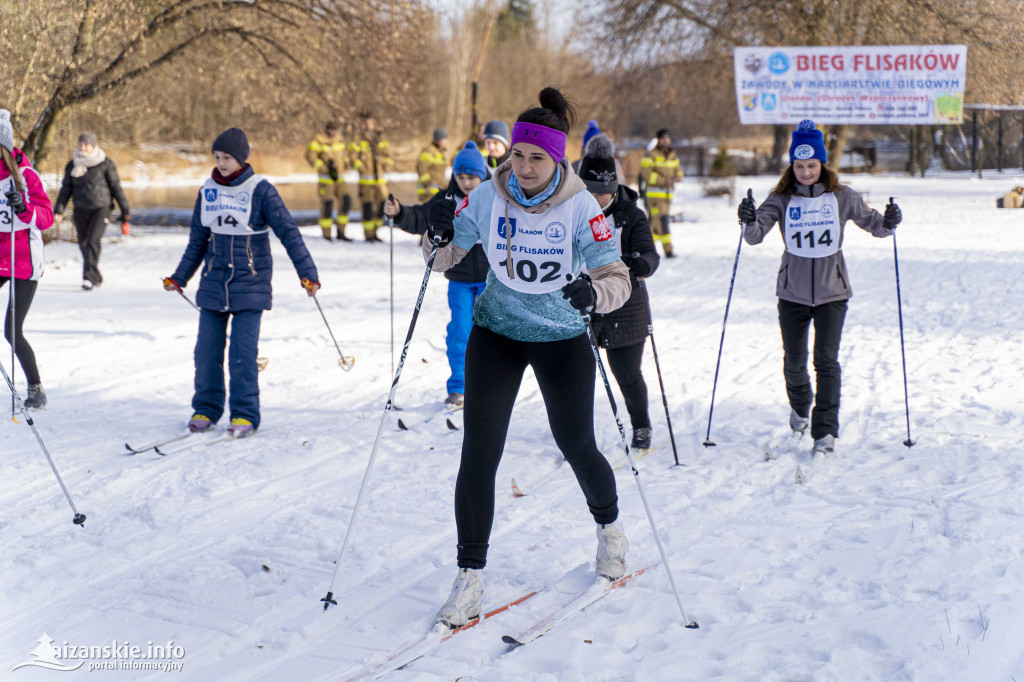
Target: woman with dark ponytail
539, 226
25, 211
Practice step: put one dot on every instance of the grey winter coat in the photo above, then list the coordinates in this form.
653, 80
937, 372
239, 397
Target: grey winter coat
814, 281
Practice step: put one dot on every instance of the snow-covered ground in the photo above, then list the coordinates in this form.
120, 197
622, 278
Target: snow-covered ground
891, 564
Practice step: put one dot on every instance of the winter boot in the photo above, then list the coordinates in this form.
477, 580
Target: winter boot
87, 285
340, 230
641, 438
199, 423
824, 446
796, 422
611, 551
466, 599
36, 397
240, 428
454, 401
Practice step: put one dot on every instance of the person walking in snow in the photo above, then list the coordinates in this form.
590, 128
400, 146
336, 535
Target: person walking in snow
25, 211
467, 279
538, 225
811, 208
234, 213
90, 180
622, 332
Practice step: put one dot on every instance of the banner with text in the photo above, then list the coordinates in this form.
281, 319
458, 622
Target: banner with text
878, 84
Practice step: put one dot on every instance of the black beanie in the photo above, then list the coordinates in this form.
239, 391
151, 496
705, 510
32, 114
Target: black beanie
233, 141
597, 169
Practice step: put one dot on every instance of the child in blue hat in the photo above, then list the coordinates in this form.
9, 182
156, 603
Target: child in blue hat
466, 280
811, 209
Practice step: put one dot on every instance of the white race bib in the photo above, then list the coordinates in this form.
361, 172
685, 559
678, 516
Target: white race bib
228, 210
8, 221
812, 226
541, 247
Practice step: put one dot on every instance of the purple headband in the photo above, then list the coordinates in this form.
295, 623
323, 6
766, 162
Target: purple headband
550, 140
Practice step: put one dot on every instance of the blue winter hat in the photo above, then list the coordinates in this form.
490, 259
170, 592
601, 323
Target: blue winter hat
807, 143
470, 161
233, 141
590, 132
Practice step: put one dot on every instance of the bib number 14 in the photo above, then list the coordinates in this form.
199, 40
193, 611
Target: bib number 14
807, 239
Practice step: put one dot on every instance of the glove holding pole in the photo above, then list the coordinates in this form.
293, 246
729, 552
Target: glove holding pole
747, 214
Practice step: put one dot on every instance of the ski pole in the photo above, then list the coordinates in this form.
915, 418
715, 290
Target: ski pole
79, 518
14, 321
388, 407
899, 307
346, 361
391, 278
692, 624
657, 364
168, 280
707, 439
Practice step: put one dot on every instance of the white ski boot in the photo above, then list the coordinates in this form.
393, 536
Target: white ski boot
824, 446
611, 551
796, 422
466, 599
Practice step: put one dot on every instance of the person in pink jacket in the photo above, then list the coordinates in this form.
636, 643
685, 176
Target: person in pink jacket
25, 211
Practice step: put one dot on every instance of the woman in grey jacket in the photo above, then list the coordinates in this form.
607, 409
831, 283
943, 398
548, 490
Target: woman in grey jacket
811, 209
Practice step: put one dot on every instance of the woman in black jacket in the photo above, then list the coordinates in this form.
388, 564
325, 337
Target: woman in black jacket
622, 332
90, 180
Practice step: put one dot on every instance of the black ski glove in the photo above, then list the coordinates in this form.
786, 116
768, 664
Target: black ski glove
580, 293
747, 211
15, 201
637, 265
441, 218
893, 216
332, 170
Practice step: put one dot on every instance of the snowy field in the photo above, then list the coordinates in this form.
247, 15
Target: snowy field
891, 564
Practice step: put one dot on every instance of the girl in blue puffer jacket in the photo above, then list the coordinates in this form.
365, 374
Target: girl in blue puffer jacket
234, 214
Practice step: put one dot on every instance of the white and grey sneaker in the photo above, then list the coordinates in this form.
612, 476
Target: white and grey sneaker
466, 599
454, 401
824, 446
796, 422
611, 551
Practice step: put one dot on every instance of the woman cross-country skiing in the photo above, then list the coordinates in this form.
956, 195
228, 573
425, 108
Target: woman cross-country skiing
230, 238
622, 333
25, 211
812, 209
538, 225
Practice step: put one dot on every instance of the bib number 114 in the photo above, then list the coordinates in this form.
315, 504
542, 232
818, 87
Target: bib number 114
807, 239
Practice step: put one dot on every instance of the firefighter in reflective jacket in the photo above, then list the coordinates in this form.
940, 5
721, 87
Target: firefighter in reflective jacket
430, 166
328, 155
660, 171
372, 158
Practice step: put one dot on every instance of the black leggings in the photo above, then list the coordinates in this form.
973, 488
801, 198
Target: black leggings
24, 292
565, 372
795, 321
625, 365
90, 224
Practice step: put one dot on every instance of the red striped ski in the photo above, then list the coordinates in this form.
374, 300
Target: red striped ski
435, 638
576, 604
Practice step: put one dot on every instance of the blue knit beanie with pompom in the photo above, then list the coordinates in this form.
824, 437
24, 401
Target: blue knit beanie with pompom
807, 143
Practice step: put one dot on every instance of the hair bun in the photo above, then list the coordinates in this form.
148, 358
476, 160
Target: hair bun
553, 100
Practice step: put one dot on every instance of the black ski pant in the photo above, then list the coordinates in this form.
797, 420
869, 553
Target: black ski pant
795, 320
24, 292
90, 225
565, 372
625, 365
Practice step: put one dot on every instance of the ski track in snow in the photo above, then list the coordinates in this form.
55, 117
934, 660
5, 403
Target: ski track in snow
890, 564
